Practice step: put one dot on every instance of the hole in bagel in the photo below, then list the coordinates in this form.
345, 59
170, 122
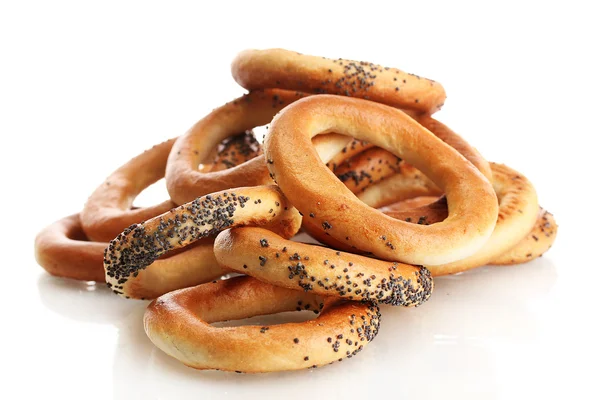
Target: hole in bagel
270, 319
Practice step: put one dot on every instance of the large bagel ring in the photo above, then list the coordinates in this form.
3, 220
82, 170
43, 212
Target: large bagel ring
294, 164
179, 324
140, 245
278, 68
320, 270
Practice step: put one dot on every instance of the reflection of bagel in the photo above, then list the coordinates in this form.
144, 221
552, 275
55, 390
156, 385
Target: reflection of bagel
179, 324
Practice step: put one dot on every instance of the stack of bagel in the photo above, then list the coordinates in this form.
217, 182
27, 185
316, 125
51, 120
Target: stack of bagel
353, 158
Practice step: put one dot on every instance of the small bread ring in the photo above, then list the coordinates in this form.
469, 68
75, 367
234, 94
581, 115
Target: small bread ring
320, 270
291, 158
140, 245
536, 243
62, 249
278, 68
366, 168
179, 324
108, 210
185, 182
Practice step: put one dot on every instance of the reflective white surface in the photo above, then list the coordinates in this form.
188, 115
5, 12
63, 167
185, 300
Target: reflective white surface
83, 88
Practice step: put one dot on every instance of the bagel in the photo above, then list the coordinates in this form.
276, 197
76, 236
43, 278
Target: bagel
537, 242
179, 323
294, 165
109, 209
63, 250
326, 272
283, 69
138, 246
185, 182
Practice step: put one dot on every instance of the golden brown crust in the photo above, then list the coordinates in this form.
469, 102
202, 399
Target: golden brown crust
473, 206
279, 68
136, 248
179, 324
518, 210
537, 242
320, 270
108, 210
63, 250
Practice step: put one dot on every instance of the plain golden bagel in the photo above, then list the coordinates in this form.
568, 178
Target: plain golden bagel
109, 209
320, 270
283, 69
537, 242
140, 245
312, 188
179, 323
63, 250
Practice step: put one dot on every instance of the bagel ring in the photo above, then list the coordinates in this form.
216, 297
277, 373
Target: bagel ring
283, 69
293, 162
179, 324
320, 270
63, 250
185, 182
109, 209
407, 183
138, 246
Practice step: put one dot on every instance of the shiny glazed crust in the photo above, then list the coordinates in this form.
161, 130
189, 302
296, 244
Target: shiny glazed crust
312, 188
284, 69
179, 324
62, 249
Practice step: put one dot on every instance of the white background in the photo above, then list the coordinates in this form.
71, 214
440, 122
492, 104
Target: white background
85, 87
